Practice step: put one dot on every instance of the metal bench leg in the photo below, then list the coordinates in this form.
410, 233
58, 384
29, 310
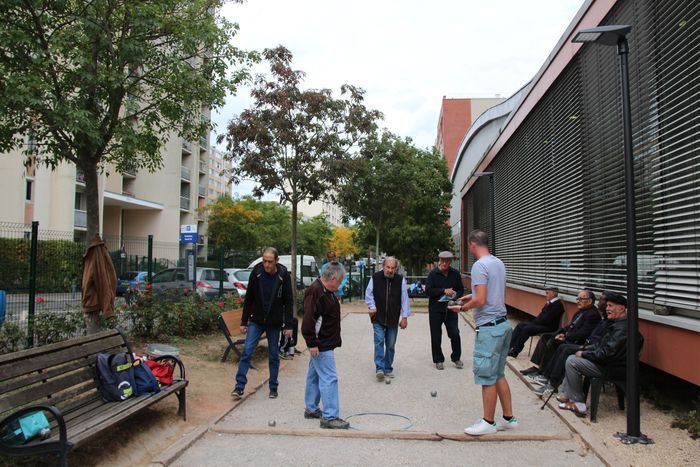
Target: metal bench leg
529, 350
596, 384
182, 403
226, 352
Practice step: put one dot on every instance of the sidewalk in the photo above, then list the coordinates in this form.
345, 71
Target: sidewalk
403, 424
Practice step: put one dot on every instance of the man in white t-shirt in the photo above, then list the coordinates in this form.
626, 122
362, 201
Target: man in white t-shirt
493, 332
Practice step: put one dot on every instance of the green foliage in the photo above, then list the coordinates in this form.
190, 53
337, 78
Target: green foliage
52, 326
248, 224
106, 83
12, 338
400, 195
295, 141
58, 265
690, 421
314, 236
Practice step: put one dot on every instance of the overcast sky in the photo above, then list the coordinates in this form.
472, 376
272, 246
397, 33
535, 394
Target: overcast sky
406, 54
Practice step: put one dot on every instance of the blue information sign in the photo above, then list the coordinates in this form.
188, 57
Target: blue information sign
189, 237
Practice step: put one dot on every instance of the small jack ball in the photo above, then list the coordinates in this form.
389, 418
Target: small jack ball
433, 393
387, 381
271, 423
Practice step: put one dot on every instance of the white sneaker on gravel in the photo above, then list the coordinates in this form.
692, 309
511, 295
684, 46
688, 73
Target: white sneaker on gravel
502, 424
482, 427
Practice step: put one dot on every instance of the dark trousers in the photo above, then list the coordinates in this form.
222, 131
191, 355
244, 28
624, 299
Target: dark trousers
451, 322
545, 349
555, 369
523, 332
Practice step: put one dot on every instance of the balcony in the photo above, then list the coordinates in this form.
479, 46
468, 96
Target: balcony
202, 143
202, 166
186, 147
130, 173
203, 191
185, 173
185, 203
80, 219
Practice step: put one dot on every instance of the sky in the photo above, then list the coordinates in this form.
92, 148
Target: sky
406, 54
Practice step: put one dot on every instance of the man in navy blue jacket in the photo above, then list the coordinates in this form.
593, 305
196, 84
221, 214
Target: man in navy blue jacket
444, 280
546, 321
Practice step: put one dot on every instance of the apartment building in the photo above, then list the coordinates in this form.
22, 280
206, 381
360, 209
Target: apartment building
133, 204
219, 183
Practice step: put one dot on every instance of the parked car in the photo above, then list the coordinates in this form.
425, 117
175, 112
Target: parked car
239, 279
130, 280
306, 273
207, 281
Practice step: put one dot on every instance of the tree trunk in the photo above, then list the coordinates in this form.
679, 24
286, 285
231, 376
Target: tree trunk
92, 200
376, 245
295, 203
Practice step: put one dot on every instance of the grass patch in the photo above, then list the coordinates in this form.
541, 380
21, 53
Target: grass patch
689, 421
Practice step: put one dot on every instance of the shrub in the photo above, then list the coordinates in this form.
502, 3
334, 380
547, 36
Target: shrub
12, 338
52, 326
690, 421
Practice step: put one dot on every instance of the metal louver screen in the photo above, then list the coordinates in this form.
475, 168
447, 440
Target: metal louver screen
559, 180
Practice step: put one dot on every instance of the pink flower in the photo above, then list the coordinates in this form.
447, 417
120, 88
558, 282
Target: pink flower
185, 290
40, 299
135, 305
124, 305
220, 304
238, 300
148, 286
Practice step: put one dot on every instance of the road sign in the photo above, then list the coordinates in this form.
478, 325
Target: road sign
189, 237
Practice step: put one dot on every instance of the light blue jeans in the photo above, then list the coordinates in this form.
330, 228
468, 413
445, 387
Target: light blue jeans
252, 336
384, 357
322, 385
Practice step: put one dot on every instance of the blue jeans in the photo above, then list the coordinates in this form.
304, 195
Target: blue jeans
252, 337
322, 385
384, 359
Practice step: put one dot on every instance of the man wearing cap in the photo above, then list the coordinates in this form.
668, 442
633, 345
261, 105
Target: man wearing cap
493, 332
444, 281
606, 359
546, 321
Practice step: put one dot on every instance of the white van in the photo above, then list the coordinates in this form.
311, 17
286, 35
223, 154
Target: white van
306, 273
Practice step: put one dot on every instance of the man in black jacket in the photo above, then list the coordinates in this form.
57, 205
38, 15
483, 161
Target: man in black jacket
444, 281
576, 332
267, 308
546, 321
608, 358
387, 300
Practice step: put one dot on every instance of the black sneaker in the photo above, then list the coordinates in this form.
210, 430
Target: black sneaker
335, 424
237, 393
529, 371
315, 414
273, 394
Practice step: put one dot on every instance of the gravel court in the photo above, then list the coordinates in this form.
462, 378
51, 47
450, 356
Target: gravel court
457, 404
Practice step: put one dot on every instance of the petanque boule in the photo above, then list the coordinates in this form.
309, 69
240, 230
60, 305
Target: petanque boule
387, 381
271, 423
433, 393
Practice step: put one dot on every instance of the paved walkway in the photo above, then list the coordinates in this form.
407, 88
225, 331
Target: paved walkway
404, 423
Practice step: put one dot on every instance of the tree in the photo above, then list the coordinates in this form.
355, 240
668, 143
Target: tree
248, 224
381, 184
314, 235
343, 242
298, 142
104, 83
400, 195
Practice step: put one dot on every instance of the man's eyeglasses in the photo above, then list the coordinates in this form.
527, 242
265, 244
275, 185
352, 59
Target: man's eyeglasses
579, 299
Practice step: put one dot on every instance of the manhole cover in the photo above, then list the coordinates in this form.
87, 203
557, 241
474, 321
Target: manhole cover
378, 421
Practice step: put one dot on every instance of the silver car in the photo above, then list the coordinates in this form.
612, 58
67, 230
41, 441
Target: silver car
207, 281
239, 279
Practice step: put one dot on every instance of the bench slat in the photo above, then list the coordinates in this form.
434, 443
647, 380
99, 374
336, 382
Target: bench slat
29, 353
46, 360
44, 390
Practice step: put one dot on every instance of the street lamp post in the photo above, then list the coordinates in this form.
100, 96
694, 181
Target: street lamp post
616, 35
493, 209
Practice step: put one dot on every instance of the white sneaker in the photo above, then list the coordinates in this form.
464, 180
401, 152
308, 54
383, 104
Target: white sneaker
502, 424
482, 427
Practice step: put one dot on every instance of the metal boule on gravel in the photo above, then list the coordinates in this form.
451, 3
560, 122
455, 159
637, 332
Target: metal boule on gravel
271, 423
387, 381
433, 393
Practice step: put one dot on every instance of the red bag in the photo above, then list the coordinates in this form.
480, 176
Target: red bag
161, 370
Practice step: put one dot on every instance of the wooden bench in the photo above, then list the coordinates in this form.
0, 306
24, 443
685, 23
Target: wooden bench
231, 321
61, 380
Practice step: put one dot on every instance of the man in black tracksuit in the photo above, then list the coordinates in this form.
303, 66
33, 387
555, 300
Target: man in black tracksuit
546, 321
267, 308
444, 280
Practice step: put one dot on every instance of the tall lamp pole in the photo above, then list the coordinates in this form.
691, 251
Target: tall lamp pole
616, 35
493, 208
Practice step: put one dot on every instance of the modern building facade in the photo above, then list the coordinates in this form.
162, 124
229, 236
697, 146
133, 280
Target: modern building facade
456, 115
219, 182
557, 164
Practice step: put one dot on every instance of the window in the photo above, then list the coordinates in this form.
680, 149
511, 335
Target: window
28, 192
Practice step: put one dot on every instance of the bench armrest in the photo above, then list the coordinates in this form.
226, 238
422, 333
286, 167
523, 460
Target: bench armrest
180, 365
41, 447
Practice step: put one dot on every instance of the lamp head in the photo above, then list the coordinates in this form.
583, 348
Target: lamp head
605, 35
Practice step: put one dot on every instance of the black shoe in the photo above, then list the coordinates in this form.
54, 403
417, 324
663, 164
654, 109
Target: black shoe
237, 393
529, 371
440, 366
315, 414
335, 424
273, 394
513, 353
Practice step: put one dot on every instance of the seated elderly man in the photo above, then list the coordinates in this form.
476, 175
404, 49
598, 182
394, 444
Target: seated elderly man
546, 321
607, 358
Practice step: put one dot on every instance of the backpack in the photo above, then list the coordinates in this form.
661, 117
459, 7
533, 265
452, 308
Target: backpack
115, 376
146, 383
162, 371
